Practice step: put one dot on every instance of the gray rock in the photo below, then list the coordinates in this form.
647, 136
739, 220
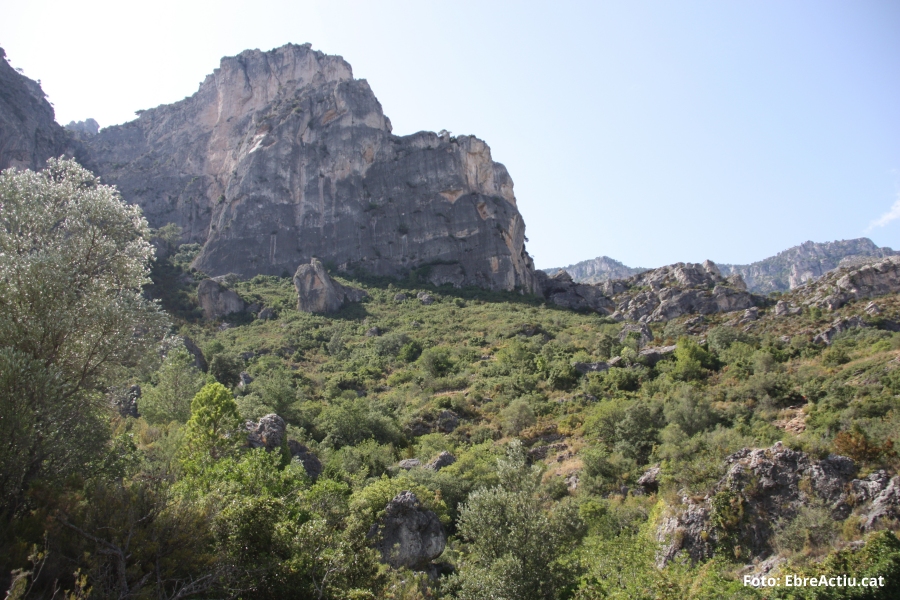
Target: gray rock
873, 309
311, 463
266, 314
444, 459
400, 297
218, 301
426, 299
253, 308
839, 326
245, 379
29, 133
562, 291
408, 535
885, 506
856, 282
282, 156
653, 355
373, 332
590, 367
645, 336
649, 481
767, 486
597, 270
675, 290
317, 292
268, 433
194, 349
409, 463
447, 421
86, 127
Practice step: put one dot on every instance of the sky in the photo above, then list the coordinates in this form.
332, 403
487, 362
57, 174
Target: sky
651, 132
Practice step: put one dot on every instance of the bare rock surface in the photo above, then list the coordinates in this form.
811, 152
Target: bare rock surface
838, 326
317, 292
763, 487
311, 463
218, 301
268, 433
29, 133
408, 535
444, 459
282, 156
562, 291
837, 287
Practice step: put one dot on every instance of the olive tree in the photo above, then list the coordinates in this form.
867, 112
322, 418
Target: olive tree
73, 259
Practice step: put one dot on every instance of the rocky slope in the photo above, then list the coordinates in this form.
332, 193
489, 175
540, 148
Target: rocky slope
29, 133
808, 261
598, 270
653, 296
784, 271
283, 156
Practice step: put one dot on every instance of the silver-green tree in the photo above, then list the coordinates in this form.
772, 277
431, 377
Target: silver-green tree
73, 259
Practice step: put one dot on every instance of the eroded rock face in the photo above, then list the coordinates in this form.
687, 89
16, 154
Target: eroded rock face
842, 285
765, 486
29, 133
562, 291
408, 535
281, 156
310, 461
444, 459
839, 326
317, 292
268, 433
218, 301
675, 290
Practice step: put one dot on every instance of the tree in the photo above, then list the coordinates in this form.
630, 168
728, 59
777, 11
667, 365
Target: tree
73, 259
514, 544
213, 430
178, 381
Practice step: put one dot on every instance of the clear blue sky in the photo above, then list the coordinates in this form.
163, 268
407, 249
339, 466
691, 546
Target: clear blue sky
652, 132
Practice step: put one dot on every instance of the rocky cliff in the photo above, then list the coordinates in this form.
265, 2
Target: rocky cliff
29, 133
283, 156
598, 270
808, 261
784, 271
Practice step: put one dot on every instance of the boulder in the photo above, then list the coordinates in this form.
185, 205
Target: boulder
408, 535
194, 349
653, 355
839, 326
444, 459
563, 292
409, 463
317, 292
310, 461
426, 299
245, 379
649, 481
447, 421
596, 367
218, 301
373, 332
400, 297
645, 336
768, 486
268, 433
266, 314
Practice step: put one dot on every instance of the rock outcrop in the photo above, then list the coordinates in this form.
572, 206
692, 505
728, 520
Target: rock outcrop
675, 290
801, 264
281, 156
29, 133
764, 487
218, 301
444, 459
317, 292
562, 291
844, 284
839, 326
269, 433
598, 270
408, 535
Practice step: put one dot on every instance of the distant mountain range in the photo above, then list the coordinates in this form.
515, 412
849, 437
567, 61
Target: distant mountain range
784, 271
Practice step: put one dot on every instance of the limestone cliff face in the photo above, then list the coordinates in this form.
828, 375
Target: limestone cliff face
29, 133
283, 156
